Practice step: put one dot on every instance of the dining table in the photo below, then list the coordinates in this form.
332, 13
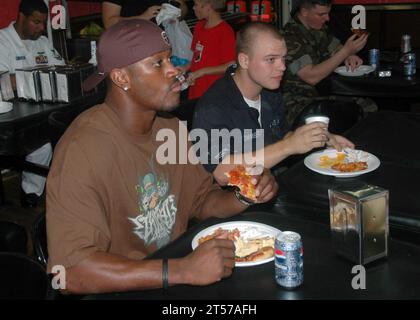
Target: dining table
395, 92
25, 128
326, 274
390, 136
373, 86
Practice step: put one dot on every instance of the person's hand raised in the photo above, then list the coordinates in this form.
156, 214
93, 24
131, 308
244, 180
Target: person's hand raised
307, 137
150, 13
192, 76
355, 43
266, 185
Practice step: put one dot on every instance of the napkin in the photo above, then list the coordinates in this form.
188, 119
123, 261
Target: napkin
353, 155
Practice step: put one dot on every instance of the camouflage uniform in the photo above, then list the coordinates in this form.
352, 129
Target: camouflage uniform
304, 47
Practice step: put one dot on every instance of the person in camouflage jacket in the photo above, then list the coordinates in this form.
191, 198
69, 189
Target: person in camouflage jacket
313, 54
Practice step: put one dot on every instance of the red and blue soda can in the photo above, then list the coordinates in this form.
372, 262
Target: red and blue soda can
289, 259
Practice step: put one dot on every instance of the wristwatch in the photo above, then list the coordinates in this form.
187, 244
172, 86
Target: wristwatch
241, 198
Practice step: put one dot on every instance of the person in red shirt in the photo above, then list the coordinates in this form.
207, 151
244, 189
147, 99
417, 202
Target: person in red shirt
213, 45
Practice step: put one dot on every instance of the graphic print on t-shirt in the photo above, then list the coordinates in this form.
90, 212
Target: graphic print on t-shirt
198, 52
157, 210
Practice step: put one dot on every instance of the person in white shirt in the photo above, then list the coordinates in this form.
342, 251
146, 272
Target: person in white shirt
23, 45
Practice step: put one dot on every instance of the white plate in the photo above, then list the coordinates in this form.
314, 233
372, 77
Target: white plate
242, 226
360, 71
312, 162
5, 106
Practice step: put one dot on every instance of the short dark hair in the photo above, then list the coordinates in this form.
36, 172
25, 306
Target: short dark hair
27, 7
312, 3
307, 4
248, 33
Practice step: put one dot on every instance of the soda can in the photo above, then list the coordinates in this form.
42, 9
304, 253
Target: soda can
374, 58
289, 259
410, 64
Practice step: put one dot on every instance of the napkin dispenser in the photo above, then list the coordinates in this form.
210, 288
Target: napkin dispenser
69, 80
28, 84
48, 85
359, 222
6, 89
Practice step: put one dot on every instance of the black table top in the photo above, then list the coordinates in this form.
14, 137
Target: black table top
28, 110
391, 136
326, 275
25, 127
370, 85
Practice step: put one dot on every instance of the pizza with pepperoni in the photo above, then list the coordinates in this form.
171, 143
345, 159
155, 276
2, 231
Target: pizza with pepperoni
240, 178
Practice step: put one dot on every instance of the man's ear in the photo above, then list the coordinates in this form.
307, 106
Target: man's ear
120, 78
243, 60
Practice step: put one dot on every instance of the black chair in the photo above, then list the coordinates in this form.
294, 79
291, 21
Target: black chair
13, 237
22, 278
343, 114
39, 240
59, 121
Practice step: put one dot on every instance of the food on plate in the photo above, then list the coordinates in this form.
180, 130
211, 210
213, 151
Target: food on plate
261, 254
328, 162
240, 178
342, 162
359, 32
251, 249
350, 166
232, 235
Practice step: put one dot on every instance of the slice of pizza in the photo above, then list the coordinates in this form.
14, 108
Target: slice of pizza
238, 177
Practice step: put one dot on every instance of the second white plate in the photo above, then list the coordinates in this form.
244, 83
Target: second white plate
312, 162
360, 71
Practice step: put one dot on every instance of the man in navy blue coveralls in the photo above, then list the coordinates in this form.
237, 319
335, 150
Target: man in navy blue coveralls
247, 97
